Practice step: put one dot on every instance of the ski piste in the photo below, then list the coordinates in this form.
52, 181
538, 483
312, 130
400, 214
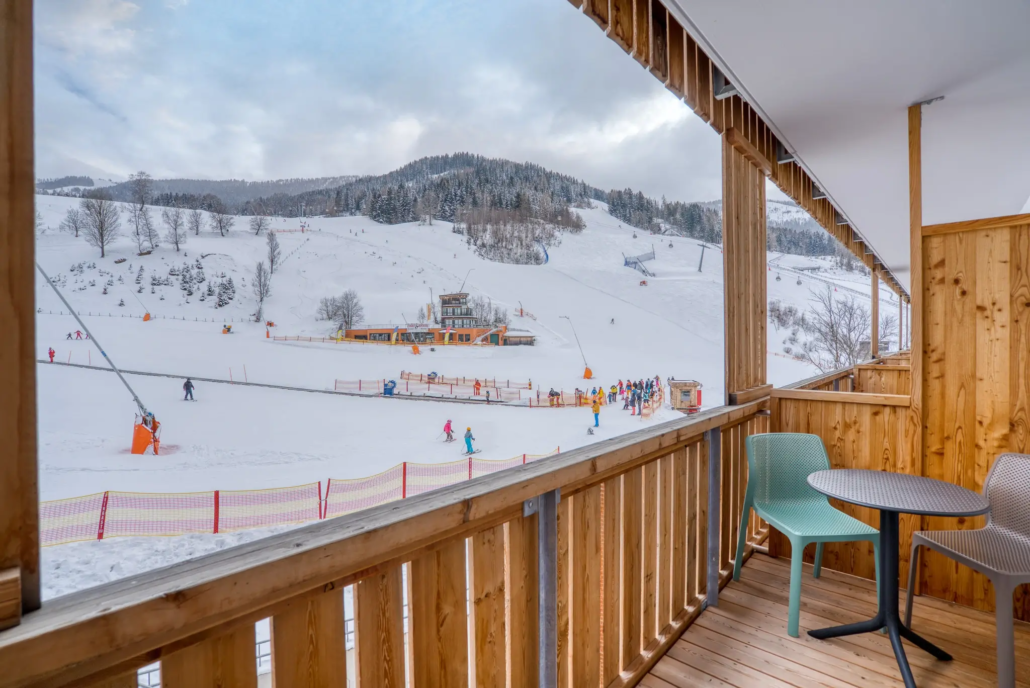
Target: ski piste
474, 452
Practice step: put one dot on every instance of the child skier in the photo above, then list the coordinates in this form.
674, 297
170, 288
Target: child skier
51, 353
188, 388
449, 430
612, 395
468, 440
596, 408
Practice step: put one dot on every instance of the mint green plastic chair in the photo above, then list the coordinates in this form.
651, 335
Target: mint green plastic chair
777, 489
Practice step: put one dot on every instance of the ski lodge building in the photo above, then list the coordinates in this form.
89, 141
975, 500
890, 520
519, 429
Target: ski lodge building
458, 325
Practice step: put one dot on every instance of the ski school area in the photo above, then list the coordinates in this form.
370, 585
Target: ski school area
305, 412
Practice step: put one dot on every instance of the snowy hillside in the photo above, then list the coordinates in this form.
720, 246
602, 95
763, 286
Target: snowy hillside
237, 437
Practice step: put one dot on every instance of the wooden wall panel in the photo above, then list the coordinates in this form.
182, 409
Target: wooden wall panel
855, 436
883, 379
976, 380
744, 245
19, 492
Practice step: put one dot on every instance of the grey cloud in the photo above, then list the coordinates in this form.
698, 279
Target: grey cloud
320, 88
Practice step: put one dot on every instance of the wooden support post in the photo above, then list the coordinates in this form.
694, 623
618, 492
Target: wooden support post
744, 269
874, 332
10, 597
19, 492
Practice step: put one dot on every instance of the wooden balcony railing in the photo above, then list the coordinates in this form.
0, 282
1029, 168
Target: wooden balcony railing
589, 564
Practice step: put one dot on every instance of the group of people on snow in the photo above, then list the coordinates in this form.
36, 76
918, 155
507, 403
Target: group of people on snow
636, 393
448, 428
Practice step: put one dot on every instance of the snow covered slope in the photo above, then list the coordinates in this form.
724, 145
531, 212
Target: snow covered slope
237, 437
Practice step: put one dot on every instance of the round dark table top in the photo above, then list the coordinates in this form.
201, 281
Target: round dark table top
908, 494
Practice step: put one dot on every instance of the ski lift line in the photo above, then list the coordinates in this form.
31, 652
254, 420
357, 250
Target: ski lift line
135, 397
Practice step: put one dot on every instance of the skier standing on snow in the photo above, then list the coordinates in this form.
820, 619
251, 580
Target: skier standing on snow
468, 440
476, 387
188, 388
449, 430
78, 334
69, 336
51, 353
596, 408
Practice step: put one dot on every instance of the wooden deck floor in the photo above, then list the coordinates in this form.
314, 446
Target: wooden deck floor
744, 641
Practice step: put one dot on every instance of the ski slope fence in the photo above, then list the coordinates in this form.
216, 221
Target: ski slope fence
352, 340
123, 514
486, 382
404, 387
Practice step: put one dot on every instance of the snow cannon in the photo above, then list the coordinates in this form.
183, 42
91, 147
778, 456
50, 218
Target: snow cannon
146, 434
146, 317
414, 349
588, 374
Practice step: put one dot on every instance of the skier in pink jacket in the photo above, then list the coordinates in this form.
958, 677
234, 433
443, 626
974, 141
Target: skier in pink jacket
447, 428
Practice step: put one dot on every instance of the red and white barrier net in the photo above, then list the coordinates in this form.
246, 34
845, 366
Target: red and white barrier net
70, 520
120, 514
243, 509
346, 496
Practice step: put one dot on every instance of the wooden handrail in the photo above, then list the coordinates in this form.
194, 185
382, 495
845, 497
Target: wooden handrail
821, 378
843, 397
119, 626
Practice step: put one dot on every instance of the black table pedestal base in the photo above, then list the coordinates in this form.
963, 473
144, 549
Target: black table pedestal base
888, 615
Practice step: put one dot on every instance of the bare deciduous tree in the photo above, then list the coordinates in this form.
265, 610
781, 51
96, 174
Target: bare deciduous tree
143, 230
274, 253
888, 327
141, 186
101, 220
222, 220
835, 328
195, 220
349, 312
258, 224
428, 206
262, 282
174, 219
73, 222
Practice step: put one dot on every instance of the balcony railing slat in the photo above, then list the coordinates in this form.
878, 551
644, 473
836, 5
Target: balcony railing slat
632, 588
684, 525
665, 580
649, 552
439, 627
611, 538
309, 649
486, 577
586, 587
225, 661
379, 630
522, 601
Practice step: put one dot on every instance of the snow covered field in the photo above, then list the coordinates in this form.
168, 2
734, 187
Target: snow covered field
237, 437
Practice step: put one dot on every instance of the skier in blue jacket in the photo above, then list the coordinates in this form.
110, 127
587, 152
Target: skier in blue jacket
468, 439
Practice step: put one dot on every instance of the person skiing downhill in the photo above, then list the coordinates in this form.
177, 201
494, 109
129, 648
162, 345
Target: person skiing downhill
51, 352
78, 334
449, 430
468, 440
188, 388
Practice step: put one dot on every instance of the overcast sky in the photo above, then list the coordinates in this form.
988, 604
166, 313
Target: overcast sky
268, 89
